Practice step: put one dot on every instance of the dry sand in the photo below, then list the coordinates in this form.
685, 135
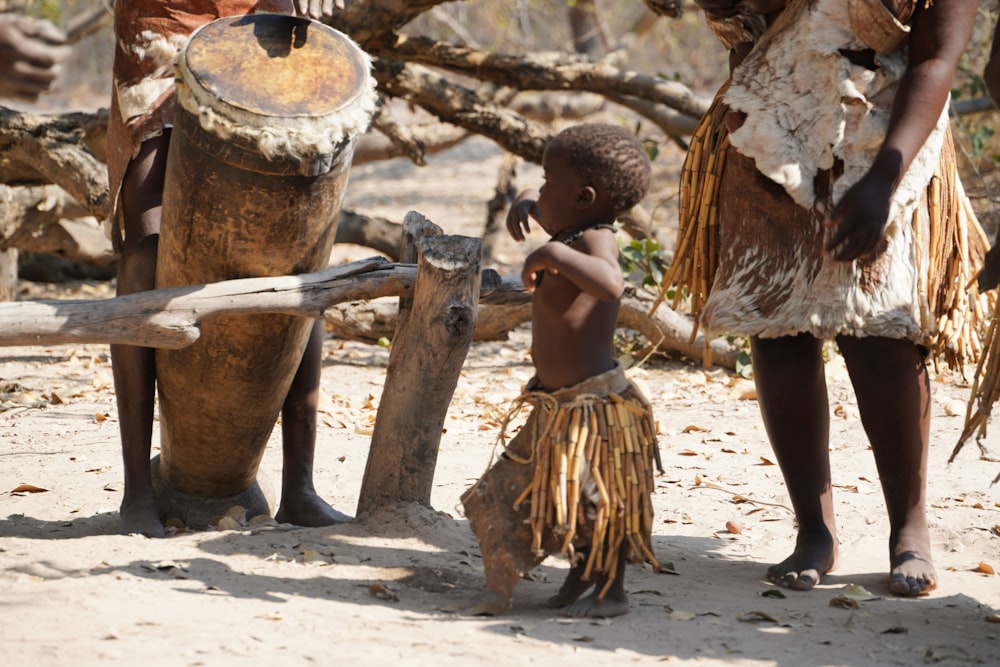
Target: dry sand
392, 588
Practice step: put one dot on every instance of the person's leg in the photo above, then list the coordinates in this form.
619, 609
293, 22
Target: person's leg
791, 391
615, 602
300, 503
574, 585
134, 368
891, 384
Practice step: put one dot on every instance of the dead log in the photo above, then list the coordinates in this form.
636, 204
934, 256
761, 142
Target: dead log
347, 293
169, 318
542, 71
504, 305
44, 219
428, 352
373, 232
56, 149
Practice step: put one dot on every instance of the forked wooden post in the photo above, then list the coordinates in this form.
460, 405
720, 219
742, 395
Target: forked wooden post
432, 339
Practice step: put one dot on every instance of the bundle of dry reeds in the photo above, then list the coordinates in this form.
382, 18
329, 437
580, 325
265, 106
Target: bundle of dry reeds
695, 258
956, 248
601, 452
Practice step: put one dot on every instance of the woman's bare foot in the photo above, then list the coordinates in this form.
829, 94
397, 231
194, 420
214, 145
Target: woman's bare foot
141, 516
309, 510
912, 571
615, 603
813, 557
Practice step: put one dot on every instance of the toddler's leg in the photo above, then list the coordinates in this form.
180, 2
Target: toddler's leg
615, 602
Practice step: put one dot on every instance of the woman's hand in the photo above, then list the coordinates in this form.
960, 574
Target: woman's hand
860, 218
317, 9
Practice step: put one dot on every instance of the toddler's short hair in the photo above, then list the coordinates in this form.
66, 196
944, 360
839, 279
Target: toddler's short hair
609, 157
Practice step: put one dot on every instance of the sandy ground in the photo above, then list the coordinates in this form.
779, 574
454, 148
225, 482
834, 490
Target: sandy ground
393, 587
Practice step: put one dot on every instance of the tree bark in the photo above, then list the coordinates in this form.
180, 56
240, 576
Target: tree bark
169, 318
429, 349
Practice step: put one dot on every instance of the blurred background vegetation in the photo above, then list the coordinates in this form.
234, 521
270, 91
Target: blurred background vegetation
679, 49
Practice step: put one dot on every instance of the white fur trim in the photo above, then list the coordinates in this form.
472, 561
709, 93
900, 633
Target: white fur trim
293, 137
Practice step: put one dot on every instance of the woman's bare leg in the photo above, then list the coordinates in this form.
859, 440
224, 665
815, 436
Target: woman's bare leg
891, 384
300, 504
791, 390
134, 368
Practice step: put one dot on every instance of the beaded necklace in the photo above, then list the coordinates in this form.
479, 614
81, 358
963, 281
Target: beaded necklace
575, 236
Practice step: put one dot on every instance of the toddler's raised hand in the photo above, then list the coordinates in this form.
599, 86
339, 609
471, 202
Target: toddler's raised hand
519, 216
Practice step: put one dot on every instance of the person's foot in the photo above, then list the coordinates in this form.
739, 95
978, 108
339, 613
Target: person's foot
614, 604
309, 510
912, 571
573, 587
141, 516
812, 558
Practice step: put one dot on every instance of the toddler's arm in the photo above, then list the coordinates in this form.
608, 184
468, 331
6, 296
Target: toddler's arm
518, 217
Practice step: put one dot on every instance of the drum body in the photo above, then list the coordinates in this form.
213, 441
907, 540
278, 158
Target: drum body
268, 110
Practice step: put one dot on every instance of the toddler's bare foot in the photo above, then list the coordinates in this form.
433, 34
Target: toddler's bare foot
571, 590
912, 572
141, 516
812, 558
613, 604
308, 509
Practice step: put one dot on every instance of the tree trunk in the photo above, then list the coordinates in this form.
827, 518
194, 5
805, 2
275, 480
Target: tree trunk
429, 349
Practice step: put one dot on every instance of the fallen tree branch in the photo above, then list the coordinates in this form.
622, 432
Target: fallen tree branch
169, 318
543, 71
55, 147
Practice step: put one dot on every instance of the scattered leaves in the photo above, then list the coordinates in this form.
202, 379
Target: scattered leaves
858, 593
667, 568
773, 593
228, 523
954, 408
381, 592
755, 616
680, 615
314, 556
844, 602
985, 568
22, 489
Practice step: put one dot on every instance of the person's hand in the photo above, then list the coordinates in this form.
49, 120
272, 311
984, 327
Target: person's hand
520, 214
31, 51
859, 219
535, 265
317, 9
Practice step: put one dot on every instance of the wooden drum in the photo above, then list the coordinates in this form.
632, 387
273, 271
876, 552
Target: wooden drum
268, 110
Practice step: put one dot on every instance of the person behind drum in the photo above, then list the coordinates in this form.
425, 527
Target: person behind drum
31, 51
148, 33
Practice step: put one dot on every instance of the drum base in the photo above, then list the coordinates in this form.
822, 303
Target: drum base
199, 513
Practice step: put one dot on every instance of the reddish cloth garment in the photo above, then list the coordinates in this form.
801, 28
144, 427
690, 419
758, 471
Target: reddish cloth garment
148, 36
